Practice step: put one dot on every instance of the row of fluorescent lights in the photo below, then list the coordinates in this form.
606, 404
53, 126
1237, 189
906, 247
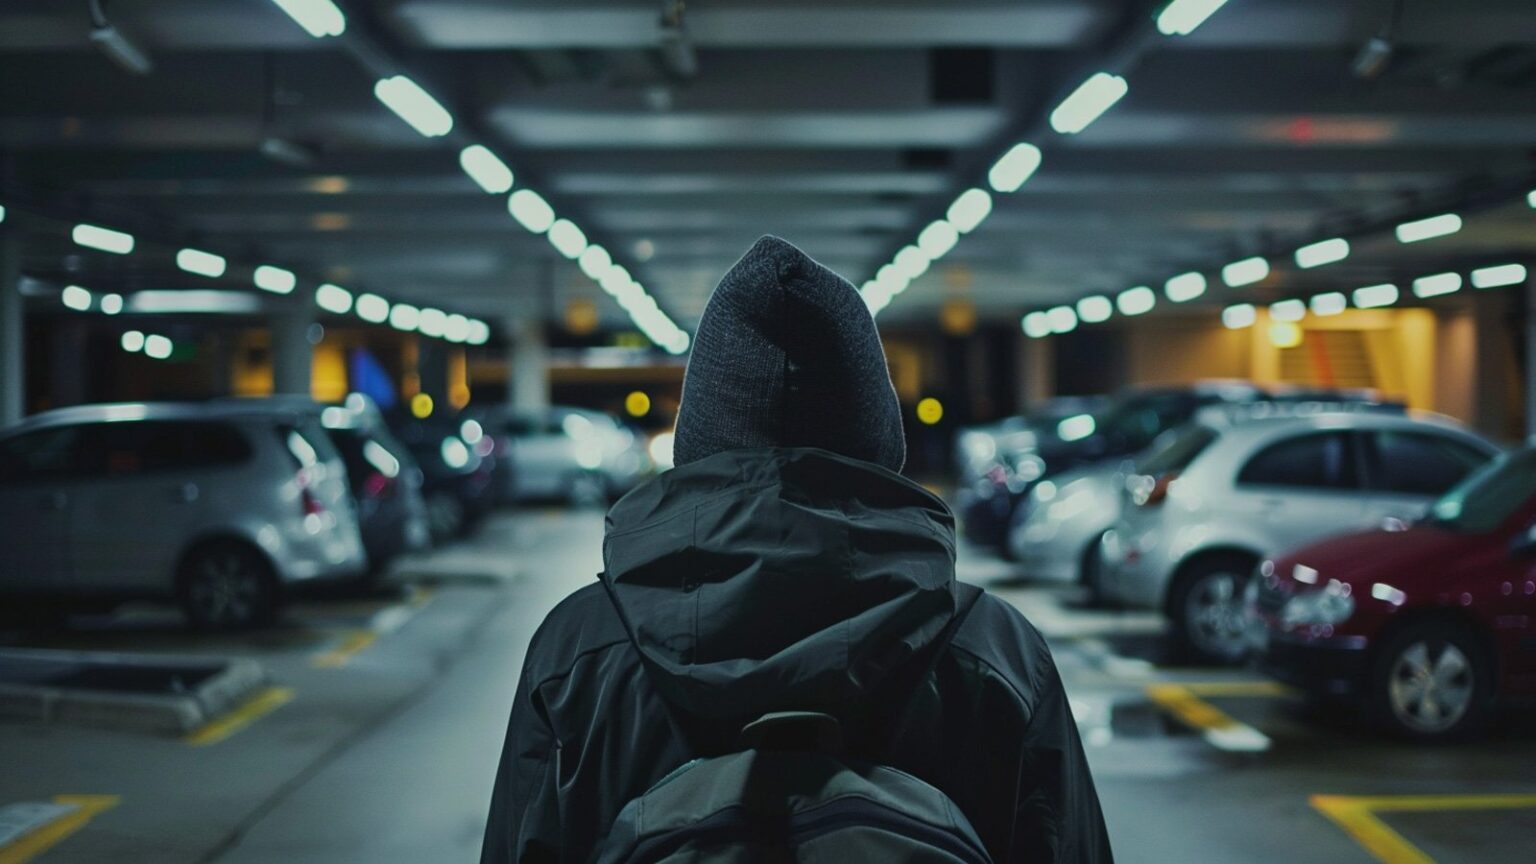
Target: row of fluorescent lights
413, 104
335, 299
1100, 92
1243, 315
153, 345
1248, 271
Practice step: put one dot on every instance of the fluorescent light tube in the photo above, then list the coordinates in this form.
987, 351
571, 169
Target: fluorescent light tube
414, 105
1288, 310
372, 308
1092, 310
111, 304
1239, 316
1373, 296
457, 328
1088, 102
595, 261
1331, 303
404, 317
937, 239
133, 341
1136, 301
1181, 17
485, 168
1500, 276
531, 210
1062, 318
1014, 168
76, 298
319, 18
911, 262
201, 263
433, 322
1036, 325
1428, 229
157, 346
1245, 272
333, 298
1184, 287
969, 209
567, 239
1322, 252
479, 332
1436, 285
274, 279
104, 239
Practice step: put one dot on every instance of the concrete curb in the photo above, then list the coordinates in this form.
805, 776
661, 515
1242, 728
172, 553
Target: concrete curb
228, 683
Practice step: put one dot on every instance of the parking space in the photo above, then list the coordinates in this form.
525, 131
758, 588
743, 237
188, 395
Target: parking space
383, 748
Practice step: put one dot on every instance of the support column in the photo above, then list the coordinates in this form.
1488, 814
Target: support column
13, 379
1037, 371
292, 355
529, 377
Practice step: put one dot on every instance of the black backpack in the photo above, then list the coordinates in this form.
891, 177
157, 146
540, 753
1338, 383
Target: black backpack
789, 795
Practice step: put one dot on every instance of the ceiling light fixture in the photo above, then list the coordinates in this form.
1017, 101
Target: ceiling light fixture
274, 279
937, 239
1014, 168
1428, 229
1374, 296
531, 210
1136, 301
911, 262
567, 239
75, 297
1239, 316
1181, 17
1330, 303
201, 263
1245, 272
485, 168
1322, 252
404, 317
1184, 287
372, 308
157, 346
319, 18
414, 105
333, 298
103, 239
1088, 102
1288, 310
594, 262
1095, 309
1436, 285
1500, 276
969, 209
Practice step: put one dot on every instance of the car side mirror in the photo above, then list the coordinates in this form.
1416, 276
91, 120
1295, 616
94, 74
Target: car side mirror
1524, 544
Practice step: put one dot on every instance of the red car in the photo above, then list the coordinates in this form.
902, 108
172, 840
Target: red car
1431, 624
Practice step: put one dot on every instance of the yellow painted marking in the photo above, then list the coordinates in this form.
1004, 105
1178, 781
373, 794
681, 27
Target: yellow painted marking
1180, 701
350, 644
45, 837
253, 709
1238, 688
1357, 816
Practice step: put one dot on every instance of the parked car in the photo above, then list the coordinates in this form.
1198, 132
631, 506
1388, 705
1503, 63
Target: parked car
458, 477
1127, 426
385, 480
572, 454
222, 507
979, 447
1205, 508
1431, 625
1057, 526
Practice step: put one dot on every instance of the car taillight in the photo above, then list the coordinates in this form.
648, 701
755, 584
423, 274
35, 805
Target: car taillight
311, 504
1150, 491
378, 486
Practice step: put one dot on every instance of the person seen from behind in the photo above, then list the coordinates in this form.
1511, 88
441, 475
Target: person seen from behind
783, 606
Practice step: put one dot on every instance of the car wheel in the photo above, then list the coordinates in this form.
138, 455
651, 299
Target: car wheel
1090, 574
228, 586
1207, 610
445, 516
1433, 682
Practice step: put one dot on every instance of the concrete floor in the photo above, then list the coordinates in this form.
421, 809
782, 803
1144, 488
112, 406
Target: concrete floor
387, 747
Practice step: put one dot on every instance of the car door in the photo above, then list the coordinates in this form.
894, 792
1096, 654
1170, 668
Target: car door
1406, 469
39, 477
148, 502
1301, 488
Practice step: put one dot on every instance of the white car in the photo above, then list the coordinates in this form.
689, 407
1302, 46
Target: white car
225, 507
1056, 530
1233, 488
573, 454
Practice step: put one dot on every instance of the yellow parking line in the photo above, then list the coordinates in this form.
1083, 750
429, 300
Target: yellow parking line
44, 837
1357, 816
420, 596
350, 644
1238, 688
249, 712
1218, 728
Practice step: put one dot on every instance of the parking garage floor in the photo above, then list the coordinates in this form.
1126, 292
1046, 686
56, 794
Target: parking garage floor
378, 737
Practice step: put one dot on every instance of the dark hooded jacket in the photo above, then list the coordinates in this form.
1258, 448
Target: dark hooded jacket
776, 576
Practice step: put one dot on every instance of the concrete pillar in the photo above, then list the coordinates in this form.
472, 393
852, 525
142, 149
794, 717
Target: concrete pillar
529, 378
1037, 371
13, 379
432, 367
292, 353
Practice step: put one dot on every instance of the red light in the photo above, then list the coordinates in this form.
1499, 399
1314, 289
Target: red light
311, 504
1151, 496
378, 486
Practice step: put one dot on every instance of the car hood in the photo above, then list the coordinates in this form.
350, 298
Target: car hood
754, 579
1380, 553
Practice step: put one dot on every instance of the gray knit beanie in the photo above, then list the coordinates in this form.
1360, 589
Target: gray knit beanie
786, 355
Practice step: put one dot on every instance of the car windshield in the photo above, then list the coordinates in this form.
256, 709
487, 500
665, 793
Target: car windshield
1483, 501
1179, 449
1134, 423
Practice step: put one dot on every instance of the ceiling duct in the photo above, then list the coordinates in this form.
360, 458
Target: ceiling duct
115, 43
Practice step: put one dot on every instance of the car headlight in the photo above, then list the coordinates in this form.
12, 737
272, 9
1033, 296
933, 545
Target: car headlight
1330, 606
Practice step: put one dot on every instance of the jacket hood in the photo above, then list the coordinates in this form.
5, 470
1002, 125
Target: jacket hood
777, 579
787, 355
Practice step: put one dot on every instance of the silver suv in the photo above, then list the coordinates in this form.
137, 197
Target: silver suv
221, 507
1232, 488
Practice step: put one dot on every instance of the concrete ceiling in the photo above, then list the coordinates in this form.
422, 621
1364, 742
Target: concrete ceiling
843, 125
